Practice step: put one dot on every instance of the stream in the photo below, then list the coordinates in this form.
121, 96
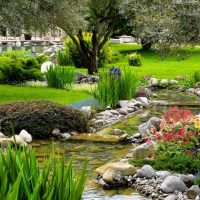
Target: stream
101, 147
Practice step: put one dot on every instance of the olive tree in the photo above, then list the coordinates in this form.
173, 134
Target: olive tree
73, 16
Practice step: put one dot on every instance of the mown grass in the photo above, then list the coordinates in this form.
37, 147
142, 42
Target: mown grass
10, 93
153, 64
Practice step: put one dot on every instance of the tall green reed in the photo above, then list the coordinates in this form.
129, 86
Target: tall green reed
115, 86
60, 77
21, 178
63, 58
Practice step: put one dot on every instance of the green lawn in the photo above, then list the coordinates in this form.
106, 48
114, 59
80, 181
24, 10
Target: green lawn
169, 67
18, 93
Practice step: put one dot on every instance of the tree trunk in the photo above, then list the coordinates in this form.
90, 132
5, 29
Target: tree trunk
146, 45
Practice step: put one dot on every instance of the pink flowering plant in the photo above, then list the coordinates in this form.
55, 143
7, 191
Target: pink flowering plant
178, 131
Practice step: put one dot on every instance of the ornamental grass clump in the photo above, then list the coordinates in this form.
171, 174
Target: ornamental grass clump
21, 177
114, 86
60, 77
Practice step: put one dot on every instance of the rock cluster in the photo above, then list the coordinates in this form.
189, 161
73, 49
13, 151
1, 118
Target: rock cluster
21, 140
195, 91
84, 78
127, 109
156, 185
163, 83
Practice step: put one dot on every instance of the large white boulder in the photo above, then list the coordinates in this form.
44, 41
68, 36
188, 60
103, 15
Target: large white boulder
46, 66
18, 140
26, 136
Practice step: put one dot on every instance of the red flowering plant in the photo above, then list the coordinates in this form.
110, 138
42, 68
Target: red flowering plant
178, 130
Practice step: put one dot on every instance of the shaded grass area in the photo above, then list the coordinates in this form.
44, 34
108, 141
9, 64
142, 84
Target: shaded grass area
18, 93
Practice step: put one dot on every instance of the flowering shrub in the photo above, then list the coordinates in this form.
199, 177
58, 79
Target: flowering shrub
175, 115
179, 129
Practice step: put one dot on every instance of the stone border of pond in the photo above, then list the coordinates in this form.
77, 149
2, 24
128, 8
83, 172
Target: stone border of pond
158, 185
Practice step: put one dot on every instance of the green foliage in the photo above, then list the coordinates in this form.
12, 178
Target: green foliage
111, 88
39, 118
62, 58
116, 56
104, 57
20, 66
60, 77
173, 161
196, 76
134, 59
21, 177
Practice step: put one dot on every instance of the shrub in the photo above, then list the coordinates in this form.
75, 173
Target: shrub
21, 177
39, 118
116, 56
135, 59
115, 86
62, 58
105, 55
60, 77
16, 67
172, 161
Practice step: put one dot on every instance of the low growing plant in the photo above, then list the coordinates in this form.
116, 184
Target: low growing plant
21, 177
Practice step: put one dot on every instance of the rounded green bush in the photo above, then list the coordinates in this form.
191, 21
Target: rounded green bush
134, 59
39, 118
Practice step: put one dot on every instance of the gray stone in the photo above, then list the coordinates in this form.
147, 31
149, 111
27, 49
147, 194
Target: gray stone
79, 76
46, 66
173, 82
142, 151
65, 136
117, 131
123, 111
190, 90
172, 183
193, 192
187, 178
56, 132
94, 78
87, 110
123, 137
163, 174
123, 103
99, 122
143, 92
170, 197
19, 141
153, 82
164, 82
137, 135
145, 128
114, 112
130, 110
107, 113
143, 100
26, 136
146, 171
2, 135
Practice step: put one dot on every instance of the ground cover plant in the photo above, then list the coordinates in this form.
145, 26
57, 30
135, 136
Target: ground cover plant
22, 177
178, 142
40, 118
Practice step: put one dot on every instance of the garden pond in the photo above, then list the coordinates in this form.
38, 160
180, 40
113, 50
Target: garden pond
102, 147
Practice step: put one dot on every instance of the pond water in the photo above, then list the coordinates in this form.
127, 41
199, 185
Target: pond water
102, 147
